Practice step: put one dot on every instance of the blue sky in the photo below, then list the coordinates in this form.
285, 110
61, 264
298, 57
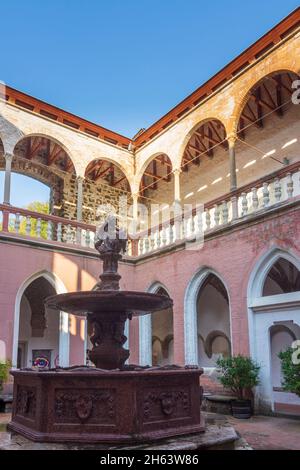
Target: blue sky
125, 63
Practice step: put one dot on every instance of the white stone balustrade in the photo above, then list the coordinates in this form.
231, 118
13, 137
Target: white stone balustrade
256, 198
261, 197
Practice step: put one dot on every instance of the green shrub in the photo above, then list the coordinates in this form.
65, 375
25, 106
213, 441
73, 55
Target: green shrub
239, 374
290, 372
4, 371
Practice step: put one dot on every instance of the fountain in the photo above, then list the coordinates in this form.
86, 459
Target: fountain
112, 402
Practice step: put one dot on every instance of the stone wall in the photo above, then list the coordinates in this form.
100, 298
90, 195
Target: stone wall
94, 195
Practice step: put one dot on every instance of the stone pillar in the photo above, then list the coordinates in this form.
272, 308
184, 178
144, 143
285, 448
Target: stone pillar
145, 340
135, 201
232, 164
79, 181
177, 196
7, 179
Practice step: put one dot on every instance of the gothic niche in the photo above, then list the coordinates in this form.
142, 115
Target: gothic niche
36, 293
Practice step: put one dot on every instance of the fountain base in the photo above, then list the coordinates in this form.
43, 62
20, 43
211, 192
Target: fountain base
88, 405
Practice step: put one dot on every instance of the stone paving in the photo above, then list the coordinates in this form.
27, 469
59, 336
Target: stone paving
268, 432
264, 432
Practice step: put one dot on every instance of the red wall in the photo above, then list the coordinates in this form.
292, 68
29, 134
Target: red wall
232, 255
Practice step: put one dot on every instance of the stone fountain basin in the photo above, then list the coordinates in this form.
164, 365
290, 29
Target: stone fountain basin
136, 303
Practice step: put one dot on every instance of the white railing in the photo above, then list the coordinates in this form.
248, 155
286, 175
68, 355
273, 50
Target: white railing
46, 227
261, 196
249, 200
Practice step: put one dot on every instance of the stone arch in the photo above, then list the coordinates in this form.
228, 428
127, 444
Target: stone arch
52, 139
262, 267
191, 132
10, 134
96, 157
142, 169
98, 161
64, 338
145, 329
191, 314
208, 344
266, 312
252, 82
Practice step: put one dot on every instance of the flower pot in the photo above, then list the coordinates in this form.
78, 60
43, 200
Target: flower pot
241, 409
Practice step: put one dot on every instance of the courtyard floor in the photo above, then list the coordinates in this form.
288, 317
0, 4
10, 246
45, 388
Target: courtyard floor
268, 432
259, 432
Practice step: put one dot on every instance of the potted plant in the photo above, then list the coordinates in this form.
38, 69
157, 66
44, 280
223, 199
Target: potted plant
239, 374
290, 368
4, 371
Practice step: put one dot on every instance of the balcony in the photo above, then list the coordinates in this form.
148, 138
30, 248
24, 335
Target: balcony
275, 192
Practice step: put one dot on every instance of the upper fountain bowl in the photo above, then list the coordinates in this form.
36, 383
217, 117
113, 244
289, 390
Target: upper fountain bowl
136, 303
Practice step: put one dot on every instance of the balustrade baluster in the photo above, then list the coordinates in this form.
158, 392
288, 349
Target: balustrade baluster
163, 236
17, 223
277, 190
158, 239
183, 229
38, 227
290, 185
171, 234
254, 199
192, 226
178, 228
225, 212
199, 223
152, 241
88, 238
69, 234
234, 207
28, 225
244, 204
266, 195
208, 219
78, 235
147, 244
217, 215
141, 246
59, 232
49, 230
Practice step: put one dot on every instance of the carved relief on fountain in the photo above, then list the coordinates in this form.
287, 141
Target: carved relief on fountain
26, 401
169, 403
92, 406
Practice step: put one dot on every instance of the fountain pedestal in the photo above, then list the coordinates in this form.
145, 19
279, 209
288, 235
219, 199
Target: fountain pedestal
106, 406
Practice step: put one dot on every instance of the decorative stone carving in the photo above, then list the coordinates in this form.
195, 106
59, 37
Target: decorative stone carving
26, 401
166, 403
94, 405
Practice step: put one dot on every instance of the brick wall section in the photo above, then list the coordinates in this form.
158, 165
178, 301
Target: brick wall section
233, 256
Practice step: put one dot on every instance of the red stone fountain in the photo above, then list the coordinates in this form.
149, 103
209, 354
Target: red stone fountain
111, 402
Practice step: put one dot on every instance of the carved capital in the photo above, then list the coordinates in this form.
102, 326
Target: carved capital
177, 171
80, 179
231, 139
8, 156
